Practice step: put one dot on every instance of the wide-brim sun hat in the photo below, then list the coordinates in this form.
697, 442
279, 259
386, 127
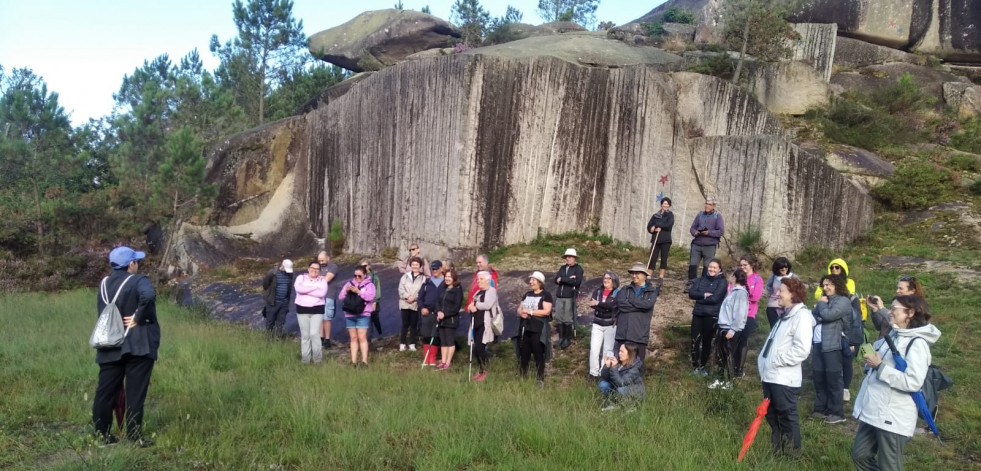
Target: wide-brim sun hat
570, 253
638, 267
538, 276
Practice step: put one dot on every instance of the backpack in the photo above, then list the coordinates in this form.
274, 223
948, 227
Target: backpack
354, 304
856, 328
935, 382
109, 331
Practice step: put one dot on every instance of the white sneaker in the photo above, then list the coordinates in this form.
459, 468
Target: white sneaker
412, 347
848, 395
727, 385
715, 384
401, 347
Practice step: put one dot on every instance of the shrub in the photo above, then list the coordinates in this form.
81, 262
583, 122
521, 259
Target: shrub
678, 15
969, 137
976, 187
904, 97
721, 66
964, 163
336, 238
750, 240
655, 29
915, 185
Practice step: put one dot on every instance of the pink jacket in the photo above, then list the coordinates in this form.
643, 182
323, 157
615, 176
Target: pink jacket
310, 291
367, 294
754, 287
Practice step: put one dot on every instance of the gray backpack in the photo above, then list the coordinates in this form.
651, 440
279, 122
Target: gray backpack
109, 331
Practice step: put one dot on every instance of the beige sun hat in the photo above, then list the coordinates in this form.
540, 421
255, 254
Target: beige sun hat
570, 253
538, 276
638, 267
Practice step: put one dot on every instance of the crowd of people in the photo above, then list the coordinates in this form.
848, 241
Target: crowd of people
725, 303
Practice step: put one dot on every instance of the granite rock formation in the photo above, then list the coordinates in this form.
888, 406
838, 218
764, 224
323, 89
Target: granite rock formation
376, 39
472, 151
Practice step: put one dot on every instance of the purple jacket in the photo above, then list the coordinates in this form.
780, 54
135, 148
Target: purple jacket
715, 225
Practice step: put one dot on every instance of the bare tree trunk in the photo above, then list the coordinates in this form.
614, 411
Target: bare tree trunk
742, 54
38, 223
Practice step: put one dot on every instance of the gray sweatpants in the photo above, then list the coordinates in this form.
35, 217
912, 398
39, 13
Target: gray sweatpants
563, 312
699, 254
310, 337
871, 441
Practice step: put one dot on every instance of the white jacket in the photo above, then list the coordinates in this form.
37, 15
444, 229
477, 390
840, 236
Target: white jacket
790, 345
885, 400
410, 287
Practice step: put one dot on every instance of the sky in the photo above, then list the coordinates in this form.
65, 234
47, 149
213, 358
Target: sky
83, 49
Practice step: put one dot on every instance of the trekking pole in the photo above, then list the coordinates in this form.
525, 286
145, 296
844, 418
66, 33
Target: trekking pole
470, 368
651, 257
425, 357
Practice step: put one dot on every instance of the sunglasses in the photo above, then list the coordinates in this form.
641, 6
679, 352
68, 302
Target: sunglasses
835, 267
358, 276
908, 279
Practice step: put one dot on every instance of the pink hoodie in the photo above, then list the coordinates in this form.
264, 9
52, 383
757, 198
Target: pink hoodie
310, 291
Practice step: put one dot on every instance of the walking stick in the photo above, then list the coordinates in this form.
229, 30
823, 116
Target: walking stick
425, 357
470, 368
651, 257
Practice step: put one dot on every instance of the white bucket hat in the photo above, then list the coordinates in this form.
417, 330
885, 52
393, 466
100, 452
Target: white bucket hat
538, 276
570, 253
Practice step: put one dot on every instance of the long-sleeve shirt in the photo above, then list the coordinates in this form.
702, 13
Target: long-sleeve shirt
734, 310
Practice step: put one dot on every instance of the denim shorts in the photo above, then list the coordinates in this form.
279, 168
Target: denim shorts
360, 322
328, 309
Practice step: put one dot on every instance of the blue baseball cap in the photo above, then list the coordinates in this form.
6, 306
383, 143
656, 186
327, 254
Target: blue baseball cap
121, 256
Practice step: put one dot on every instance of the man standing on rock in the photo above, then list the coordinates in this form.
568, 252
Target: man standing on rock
483, 264
707, 230
127, 367
635, 303
568, 279
328, 270
277, 286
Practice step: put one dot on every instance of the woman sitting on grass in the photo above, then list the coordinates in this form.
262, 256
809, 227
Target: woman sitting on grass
623, 379
884, 406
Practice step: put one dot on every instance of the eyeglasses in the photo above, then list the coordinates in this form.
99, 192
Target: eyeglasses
607, 278
413, 248
893, 308
314, 269
744, 264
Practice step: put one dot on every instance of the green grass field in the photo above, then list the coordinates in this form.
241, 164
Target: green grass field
224, 397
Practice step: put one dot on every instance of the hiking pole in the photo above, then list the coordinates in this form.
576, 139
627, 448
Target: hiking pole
651, 257
470, 368
425, 357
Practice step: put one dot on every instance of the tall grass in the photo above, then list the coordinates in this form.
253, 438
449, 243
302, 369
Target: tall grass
225, 397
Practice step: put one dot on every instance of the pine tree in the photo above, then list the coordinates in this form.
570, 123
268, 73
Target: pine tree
472, 19
579, 11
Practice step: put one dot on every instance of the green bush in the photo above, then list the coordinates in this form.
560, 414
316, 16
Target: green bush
904, 97
678, 15
850, 122
336, 237
750, 240
969, 137
655, 29
963, 163
976, 187
721, 66
916, 185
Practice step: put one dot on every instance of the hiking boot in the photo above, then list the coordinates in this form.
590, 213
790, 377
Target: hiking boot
363, 366
326, 344
819, 415
106, 440
833, 419
688, 285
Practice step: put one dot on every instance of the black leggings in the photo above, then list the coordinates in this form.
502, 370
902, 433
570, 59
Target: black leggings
741, 344
531, 345
410, 326
702, 334
662, 249
479, 348
375, 320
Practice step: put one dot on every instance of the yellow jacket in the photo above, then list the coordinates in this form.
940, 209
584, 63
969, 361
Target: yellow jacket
851, 284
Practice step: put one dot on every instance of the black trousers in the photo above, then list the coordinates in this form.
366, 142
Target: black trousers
702, 333
531, 345
276, 316
660, 250
741, 346
480, 348
782, 415
828, 385
133, 373
847, 367
724, 350
772, 314
375, 320
410, 326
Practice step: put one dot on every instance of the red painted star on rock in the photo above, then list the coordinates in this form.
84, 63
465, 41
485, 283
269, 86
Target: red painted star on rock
663, 179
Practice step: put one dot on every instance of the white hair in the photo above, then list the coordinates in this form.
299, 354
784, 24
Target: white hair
484, 274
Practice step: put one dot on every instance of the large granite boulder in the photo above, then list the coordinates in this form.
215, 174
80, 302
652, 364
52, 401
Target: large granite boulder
525, 145
853, 53
965, 98
582, 48
376, 39
948, 28
788, 87
868, 80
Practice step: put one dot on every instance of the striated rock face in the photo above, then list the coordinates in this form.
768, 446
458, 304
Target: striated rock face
788, 87
816, 46
468, 152
377, 39
582, 48
854, 53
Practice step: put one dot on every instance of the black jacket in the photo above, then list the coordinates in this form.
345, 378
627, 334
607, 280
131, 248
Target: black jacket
137, 298
634, 313
630, 377
568, 278
269, 286
665, 222
605, 313
450, 302
428, 299
710, 306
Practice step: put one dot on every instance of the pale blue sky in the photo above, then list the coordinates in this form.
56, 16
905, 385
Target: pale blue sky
83, 48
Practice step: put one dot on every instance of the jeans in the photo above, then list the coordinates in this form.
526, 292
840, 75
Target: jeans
613, 394
828, 386
699, 254
310, 337
600, 343
782, 415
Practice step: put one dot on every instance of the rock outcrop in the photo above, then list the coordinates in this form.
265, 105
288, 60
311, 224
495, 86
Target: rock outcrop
816, 46
963, 97
854, 53
582, 48
515, 146
788, 87
380, 38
